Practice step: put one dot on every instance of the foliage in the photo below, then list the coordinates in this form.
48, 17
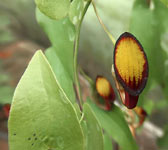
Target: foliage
114, 124
56, 9
93, 130
60, 55
45, 113
76, 9
41, 116
107, 142
155, 22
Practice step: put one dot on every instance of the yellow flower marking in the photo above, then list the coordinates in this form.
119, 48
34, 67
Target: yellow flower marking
129, 60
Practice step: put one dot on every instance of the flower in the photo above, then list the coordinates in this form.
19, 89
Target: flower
131, 69
105, 90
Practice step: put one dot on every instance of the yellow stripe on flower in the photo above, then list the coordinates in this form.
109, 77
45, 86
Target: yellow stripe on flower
129, 60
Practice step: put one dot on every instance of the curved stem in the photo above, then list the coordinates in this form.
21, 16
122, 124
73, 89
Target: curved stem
81, 119
76, 55
90, 81
101, 22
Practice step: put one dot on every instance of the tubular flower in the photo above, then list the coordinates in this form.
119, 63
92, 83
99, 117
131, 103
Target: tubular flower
131, 69
105, 90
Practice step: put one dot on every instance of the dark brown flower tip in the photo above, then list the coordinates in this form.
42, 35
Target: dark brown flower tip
104, 89
130, 101
130, 65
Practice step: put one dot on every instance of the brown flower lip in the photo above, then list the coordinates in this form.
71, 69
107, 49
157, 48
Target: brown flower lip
130, 87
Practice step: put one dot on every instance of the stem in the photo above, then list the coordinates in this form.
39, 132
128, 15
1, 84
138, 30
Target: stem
81, 119
90, 81
102, 24
76, 55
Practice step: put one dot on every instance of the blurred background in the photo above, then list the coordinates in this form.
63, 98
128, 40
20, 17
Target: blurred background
21, 36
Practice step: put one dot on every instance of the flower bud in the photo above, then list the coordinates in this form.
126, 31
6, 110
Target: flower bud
105, 90
131, 68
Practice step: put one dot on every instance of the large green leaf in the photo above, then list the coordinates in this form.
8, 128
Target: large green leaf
41, 117
93, 133
107, 142
77, 108
61, 73
60, 32
115, 125
55, 9
62, 35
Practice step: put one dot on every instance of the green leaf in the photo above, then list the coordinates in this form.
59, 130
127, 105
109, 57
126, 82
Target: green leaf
115, 125
62, 35
107, 142
55, 9
94, 130
78, 111
75, 12
41, 117
59, 31
148, 25
61, 71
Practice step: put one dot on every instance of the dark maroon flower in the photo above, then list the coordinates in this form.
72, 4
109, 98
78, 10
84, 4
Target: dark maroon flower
131, 68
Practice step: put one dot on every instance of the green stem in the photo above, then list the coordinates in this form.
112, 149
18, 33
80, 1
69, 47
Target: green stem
90, 81
76, 55
81, 119
102, 24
